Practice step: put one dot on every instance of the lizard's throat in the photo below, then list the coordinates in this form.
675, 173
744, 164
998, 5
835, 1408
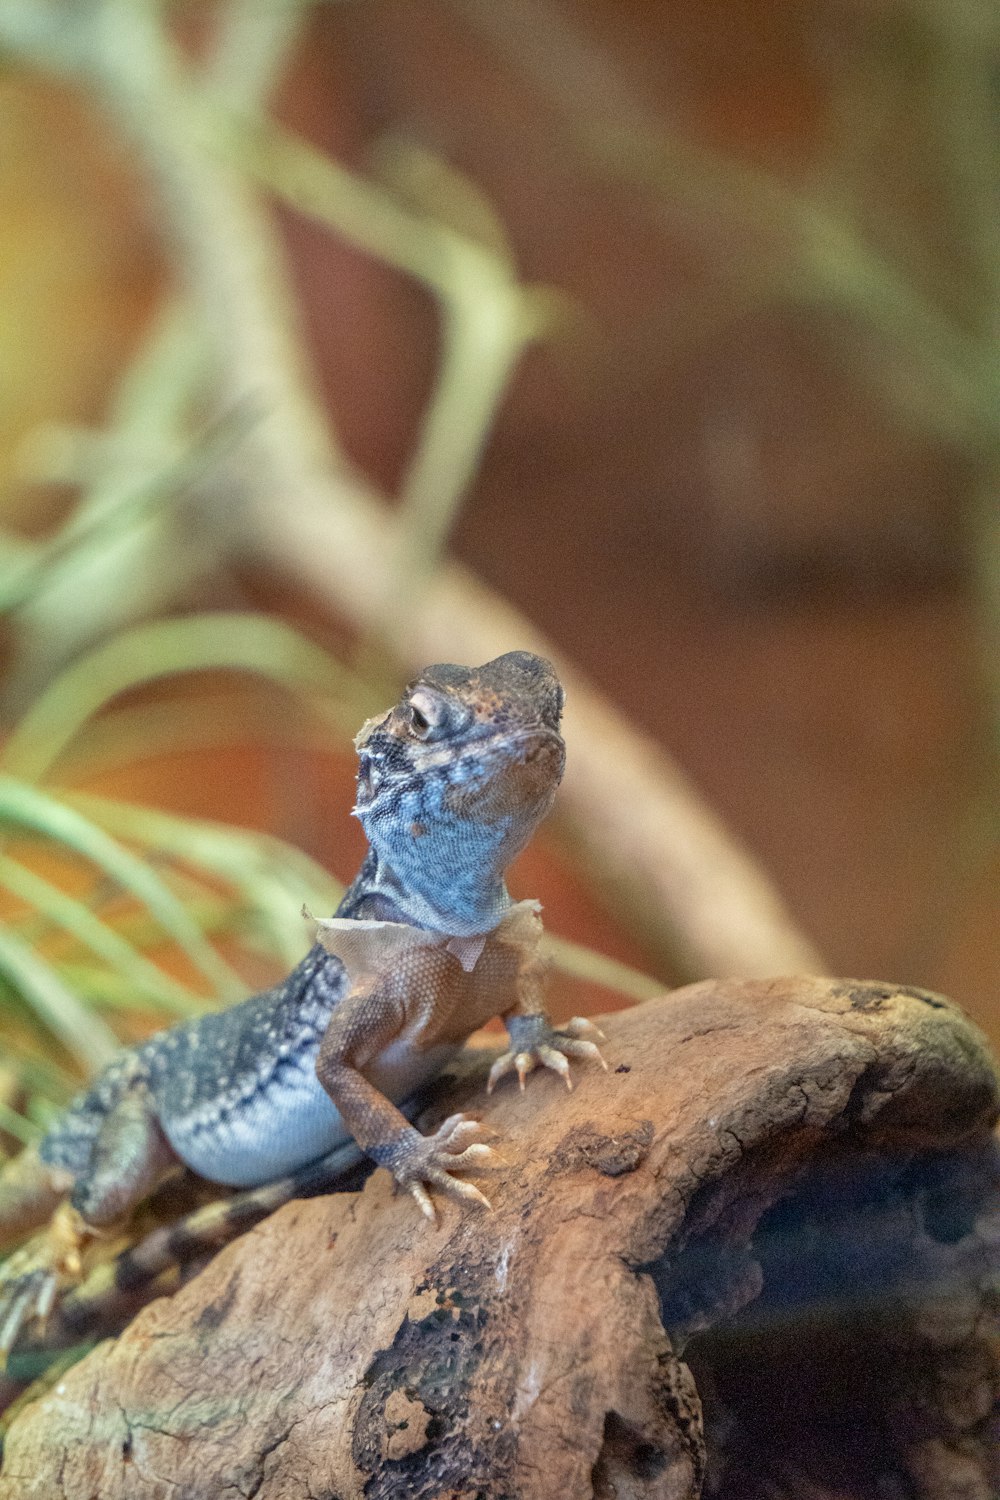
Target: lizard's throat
435, 887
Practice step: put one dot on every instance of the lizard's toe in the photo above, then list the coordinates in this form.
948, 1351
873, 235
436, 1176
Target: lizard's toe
456, 1188
423, 1198
26, 1295
475, 1155
457, 1130
570, 1047
520, 1062
453, 1186
33, 1277
579, 1026
549, 1057
537, 1043
417, 1161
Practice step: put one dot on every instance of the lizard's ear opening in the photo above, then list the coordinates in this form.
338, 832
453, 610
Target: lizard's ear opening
365, 787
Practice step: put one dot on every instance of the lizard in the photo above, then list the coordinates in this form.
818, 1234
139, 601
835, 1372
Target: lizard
425, 947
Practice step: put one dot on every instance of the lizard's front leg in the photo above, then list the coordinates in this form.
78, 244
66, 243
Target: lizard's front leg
129, 1156
534, 1041
367, 1022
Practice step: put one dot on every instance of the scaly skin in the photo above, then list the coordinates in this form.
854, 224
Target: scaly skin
425, 947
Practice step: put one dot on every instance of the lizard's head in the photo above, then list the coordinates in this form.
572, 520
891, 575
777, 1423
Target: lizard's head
454, 780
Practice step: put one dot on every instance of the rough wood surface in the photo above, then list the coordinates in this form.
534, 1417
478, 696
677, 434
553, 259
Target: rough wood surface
792, 1182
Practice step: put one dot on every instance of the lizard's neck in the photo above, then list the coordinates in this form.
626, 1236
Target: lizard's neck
466, 902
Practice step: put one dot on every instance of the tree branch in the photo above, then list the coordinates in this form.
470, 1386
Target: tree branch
767, 1237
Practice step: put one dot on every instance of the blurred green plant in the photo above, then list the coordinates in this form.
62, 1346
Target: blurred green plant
143, 880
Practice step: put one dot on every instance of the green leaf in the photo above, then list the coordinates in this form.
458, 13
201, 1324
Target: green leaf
75, 917
25, 806
38, 1074
131, 732
164, 648
76, 1026
271, 876
16, 1125
103, 988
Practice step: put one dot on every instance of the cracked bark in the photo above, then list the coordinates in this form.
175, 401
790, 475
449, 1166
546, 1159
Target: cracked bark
758, 1258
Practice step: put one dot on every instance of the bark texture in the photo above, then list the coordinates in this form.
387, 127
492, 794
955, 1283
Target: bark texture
758, 1257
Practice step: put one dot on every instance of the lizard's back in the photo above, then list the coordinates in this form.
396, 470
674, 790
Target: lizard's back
235, 1091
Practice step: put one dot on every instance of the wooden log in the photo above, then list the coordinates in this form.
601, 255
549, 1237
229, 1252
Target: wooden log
756, 1258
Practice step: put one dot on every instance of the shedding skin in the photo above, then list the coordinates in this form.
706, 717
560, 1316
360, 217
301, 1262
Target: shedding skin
425, 947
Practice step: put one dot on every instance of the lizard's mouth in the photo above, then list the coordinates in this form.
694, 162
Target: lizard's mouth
545, 752
527, 767
539, 750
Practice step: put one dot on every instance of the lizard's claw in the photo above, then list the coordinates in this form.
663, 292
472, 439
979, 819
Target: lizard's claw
33, 1277
416, 1160
27, 1295
535, 1042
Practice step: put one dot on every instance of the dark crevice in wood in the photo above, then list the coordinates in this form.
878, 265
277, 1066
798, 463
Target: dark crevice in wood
862, 1367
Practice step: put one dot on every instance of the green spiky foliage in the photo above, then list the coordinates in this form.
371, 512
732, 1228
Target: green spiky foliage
129, 930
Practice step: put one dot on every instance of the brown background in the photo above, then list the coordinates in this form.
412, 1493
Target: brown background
699, 499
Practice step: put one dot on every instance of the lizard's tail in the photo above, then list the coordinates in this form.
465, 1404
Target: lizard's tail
30, 1193
215, 1225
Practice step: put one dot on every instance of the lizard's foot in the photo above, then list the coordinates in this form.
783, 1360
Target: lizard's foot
535, 1042
415, 1159
33, 1277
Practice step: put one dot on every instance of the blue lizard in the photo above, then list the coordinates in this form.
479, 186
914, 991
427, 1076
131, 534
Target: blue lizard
425, 947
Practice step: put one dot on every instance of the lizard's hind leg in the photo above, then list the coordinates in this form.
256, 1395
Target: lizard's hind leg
30, 1193
129, 1156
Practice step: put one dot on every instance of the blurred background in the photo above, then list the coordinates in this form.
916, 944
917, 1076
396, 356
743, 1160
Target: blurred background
331, 333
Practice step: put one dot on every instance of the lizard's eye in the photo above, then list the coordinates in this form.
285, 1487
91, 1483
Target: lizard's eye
428, 714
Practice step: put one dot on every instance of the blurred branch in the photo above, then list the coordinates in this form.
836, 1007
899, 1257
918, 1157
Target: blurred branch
967, 120
488, 315
597, 968
942, 378
790, 244
123, 550
251, 45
